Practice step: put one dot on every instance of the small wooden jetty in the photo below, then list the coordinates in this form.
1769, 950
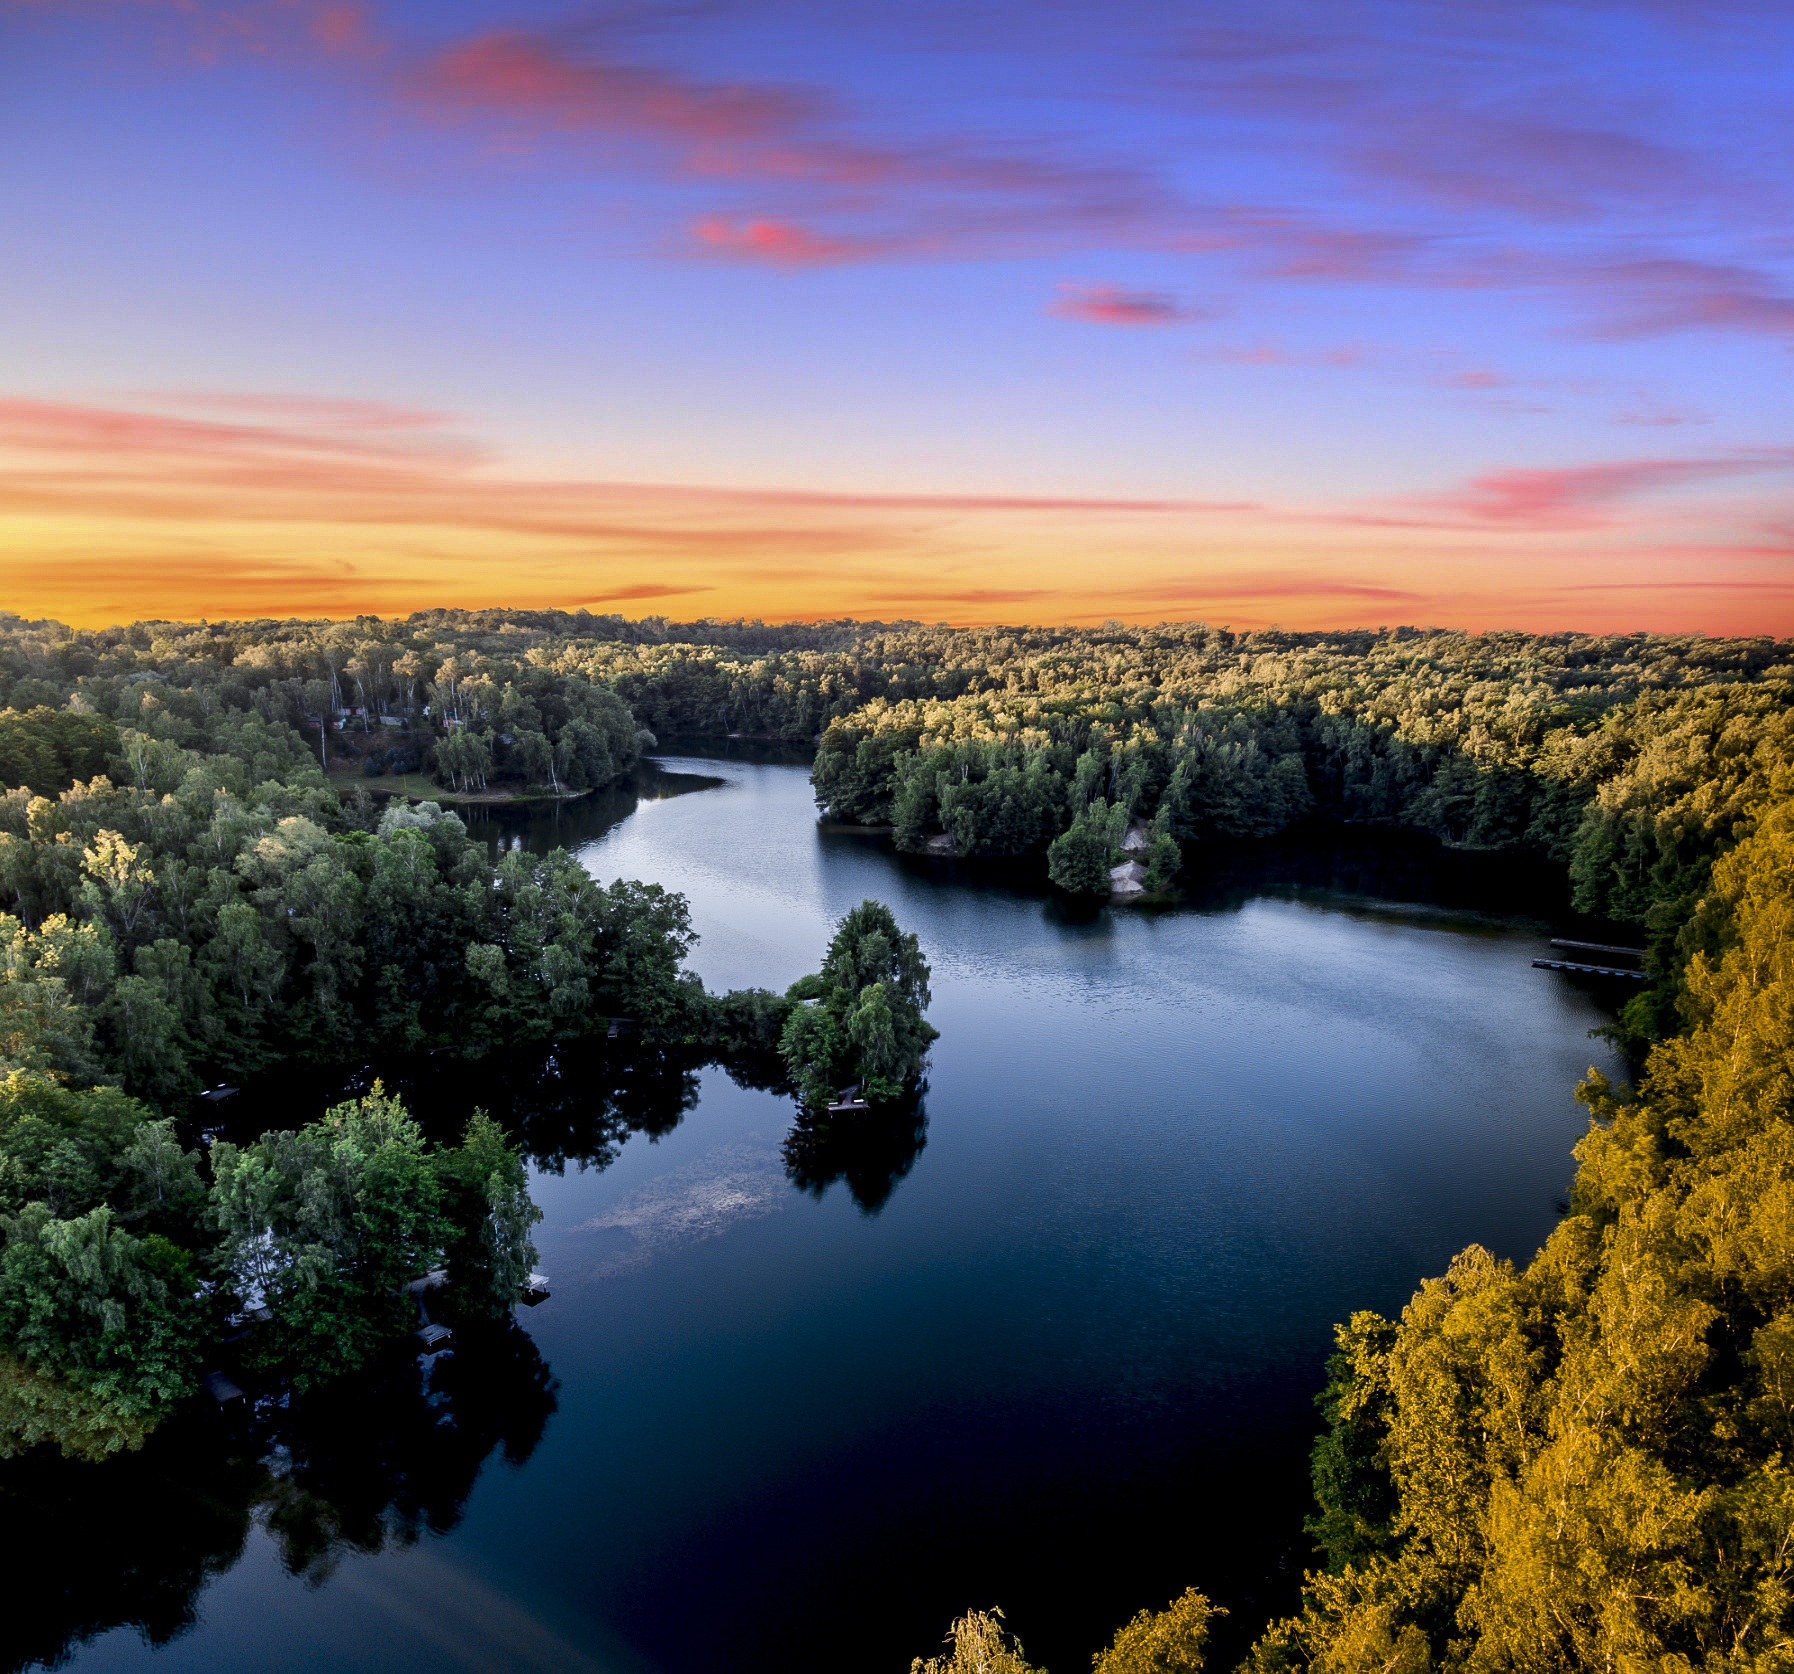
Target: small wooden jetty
1587, 970
220, 1388
848, 1102
433, 1337
535, 1289
1599, 947
218, 1094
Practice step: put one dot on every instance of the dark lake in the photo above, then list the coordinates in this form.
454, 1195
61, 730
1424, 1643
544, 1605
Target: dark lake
1051, 1344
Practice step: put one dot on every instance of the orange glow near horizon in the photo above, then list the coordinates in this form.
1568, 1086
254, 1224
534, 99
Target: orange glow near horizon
276, 509
1468, 316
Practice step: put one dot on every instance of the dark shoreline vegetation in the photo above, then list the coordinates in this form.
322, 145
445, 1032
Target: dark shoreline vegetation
1576, 1462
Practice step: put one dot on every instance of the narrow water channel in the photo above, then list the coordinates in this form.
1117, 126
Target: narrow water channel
1053, 1346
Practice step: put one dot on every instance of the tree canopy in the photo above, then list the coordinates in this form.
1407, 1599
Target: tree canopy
859, 1019
122, 1256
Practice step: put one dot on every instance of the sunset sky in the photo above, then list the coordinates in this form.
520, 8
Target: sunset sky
1476, 313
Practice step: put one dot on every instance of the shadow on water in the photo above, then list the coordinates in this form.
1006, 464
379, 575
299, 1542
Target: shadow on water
870, 1150
570, 824
570, 1102
541, 826
367, 1466
1320, 860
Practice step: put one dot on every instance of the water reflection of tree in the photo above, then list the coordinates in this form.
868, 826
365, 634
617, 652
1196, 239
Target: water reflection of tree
573, 1102
871, 1150
367, 1465
580, 1103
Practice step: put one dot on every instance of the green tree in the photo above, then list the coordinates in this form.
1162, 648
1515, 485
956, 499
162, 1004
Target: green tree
83, 1299
1078, 859
49, 749
1163, 857
487, 1209
1582, 1463
324, 1227
860, 1018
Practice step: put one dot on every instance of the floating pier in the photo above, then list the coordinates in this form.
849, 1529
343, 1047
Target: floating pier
1587, 970
535, 1289
220, 1388
434, 1337
848, 1102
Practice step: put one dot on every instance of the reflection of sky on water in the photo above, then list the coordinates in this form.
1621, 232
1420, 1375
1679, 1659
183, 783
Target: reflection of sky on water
703, 1199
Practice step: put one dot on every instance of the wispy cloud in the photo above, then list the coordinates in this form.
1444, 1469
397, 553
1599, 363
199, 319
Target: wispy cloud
335, 506
778, 242
539, 85
1531, 150
807, 176
1575, 495
1117, 305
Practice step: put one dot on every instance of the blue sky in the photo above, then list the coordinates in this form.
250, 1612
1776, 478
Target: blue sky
1454, 312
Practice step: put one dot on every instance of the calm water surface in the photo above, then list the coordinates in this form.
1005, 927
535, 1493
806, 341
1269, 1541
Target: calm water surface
1052, 1348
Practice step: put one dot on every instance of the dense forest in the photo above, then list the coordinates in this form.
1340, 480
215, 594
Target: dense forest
1628, 761
1577, 1463
189, 894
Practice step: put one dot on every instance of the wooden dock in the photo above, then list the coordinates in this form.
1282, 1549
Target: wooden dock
1587, 970
220, 1388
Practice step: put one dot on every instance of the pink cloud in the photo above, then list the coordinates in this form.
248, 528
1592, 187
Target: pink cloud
1539, 169
1651, 294
970, 596
328, 412
1451, 108
509, 73
805, 178
1230, 589
782, 243
1469, 148
216, 32
1567, 496
63, 427
771, 137
643, 590
1113, 305
62, 457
